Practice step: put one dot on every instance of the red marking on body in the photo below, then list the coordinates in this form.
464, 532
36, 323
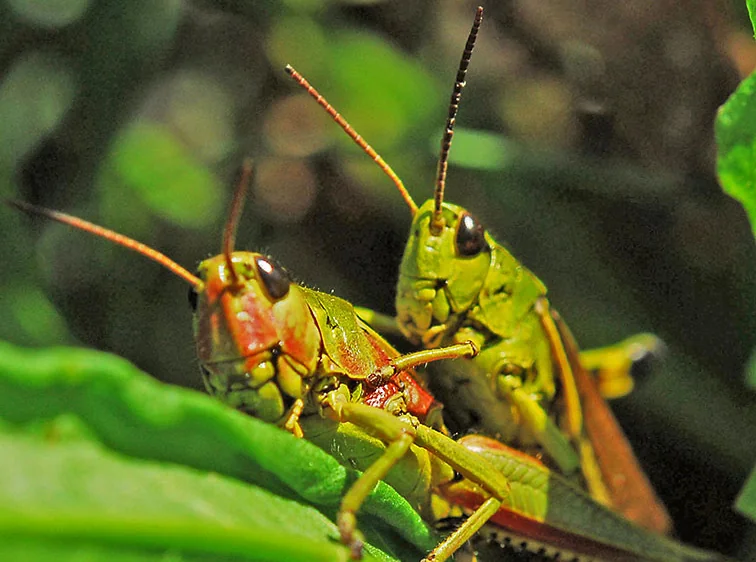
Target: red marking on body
222, 336
380, 397
419, 401
298, 332
352, 361
256, 332
383, 352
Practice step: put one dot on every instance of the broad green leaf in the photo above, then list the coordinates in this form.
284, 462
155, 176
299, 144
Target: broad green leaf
735, 130
751, 4
135, 415
78, 492
384, 103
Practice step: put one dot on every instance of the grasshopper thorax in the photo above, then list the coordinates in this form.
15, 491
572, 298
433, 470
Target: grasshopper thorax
256, 339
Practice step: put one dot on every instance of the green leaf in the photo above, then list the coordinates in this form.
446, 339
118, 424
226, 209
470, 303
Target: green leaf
62, 491
132, 414
745, 503
735, 130
751, 4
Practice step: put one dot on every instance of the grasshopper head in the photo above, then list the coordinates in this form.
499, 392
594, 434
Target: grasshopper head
443, 269
256, 338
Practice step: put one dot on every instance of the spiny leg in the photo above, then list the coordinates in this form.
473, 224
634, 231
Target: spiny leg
417, 358
464, 532
400, 435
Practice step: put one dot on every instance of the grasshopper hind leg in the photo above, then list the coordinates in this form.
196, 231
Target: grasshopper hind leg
618, 367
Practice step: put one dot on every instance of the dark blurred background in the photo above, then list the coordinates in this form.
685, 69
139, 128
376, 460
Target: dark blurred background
584, 142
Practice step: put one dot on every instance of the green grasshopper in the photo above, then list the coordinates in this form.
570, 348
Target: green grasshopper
526, 386
303, 359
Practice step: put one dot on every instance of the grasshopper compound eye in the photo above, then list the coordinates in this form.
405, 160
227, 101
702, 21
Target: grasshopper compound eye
274, 278
471, 239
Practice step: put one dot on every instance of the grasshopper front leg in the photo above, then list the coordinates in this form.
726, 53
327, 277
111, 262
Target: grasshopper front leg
399, 434
615, 367
409, 361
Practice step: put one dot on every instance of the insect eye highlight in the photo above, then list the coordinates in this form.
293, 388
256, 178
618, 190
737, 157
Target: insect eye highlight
274, 278
471, 238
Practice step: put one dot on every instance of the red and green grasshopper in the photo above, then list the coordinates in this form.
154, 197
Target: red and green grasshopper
297, 357
527, 385
304, 360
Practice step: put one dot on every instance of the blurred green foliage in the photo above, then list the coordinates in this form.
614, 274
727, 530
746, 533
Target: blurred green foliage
746, 502
158, 168
587, 148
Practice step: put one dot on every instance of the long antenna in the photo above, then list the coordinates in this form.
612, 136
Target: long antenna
232, 223
108, 234
369, 150
437, 223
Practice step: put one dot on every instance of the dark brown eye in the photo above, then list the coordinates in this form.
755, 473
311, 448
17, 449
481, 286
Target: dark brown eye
274, 277
471, 238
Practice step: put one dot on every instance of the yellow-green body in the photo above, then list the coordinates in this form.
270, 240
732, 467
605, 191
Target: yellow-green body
488, 298
526, 386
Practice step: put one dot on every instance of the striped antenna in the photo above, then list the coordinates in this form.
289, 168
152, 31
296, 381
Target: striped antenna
336, 116
108, 234
232, 223
437, 223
